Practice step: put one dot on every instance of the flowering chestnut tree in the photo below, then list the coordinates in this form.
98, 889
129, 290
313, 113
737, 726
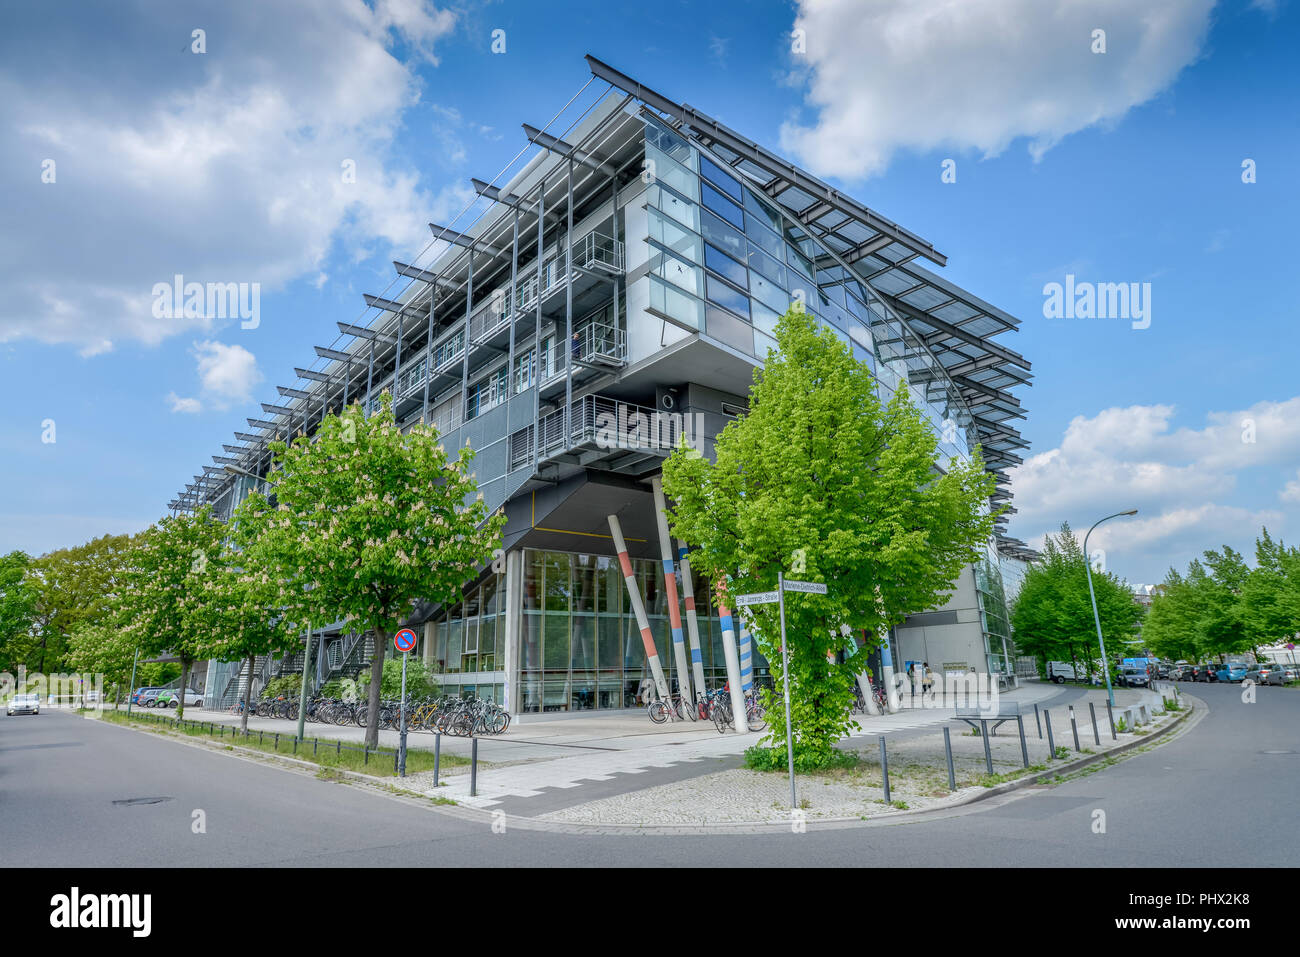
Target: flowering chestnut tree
368, 519
169, 579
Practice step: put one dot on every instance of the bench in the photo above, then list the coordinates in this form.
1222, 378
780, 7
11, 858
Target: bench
1005, 711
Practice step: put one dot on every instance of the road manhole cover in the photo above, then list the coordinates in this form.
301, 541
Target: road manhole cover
1277, 752
128, 802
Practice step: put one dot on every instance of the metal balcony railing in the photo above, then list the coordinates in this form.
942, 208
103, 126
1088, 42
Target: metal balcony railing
491, 315
603, 343
598, 251
412, 377
608, 423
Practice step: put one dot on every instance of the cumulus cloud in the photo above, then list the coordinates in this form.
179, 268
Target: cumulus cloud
226, 373
1186, 482
225, 166
977, 74
179, 404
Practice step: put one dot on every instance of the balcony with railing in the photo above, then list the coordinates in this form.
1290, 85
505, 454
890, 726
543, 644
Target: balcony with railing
602, 428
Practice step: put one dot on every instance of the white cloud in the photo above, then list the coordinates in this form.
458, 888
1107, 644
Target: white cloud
224, 167
978, 74
1291, 491
1185, 482
188, 406
227, 374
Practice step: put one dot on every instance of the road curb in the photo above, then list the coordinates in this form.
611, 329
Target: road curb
391, 788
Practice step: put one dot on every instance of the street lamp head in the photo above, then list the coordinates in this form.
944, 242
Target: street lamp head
1131, 511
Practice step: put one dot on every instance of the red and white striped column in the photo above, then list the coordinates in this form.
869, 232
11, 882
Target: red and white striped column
638, 608
670, 590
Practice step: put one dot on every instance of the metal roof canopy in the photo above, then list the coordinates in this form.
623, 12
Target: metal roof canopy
953, 324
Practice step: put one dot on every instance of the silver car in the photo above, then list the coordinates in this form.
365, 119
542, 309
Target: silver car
1267, 673
24, 704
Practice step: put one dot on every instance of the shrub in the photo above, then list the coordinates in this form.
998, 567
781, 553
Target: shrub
759, 758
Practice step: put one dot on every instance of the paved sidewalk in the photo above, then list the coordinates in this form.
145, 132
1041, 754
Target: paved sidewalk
541, 766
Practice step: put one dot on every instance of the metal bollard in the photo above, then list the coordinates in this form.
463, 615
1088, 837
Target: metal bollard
315, 746
1110, 713
884, 767
473, 767
947, 748
988, 754
1074, 726
1024, 748
1037, 722
437, 753
295, 744
365, 748
338, 747
1096, 735
1051, 742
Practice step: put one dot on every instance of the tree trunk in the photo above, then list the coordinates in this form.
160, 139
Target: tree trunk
376, 681
248, 695
185, 683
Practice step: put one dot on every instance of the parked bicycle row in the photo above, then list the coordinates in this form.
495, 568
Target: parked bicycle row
449, 714
714, 705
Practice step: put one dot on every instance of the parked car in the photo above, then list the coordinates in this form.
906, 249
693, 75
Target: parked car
149, 697
1207, 672
1134, 677
1232, 671
1289, 671
1179, 672
138, 694
171, 699
24, 704
1268, 673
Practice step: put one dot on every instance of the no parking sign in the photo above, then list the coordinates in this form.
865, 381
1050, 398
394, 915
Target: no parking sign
404, 640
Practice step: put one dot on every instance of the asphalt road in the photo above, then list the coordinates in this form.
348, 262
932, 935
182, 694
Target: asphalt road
1220, 794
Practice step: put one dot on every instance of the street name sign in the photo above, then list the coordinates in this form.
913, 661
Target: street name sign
811, 588
758, 598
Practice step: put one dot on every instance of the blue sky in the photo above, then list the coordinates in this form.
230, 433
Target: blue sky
1122, 166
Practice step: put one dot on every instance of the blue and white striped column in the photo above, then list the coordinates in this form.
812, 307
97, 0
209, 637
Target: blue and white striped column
733, 664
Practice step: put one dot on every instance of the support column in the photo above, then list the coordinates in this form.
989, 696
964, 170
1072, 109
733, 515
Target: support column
733, 665
670, 589
692, 622
514, 619
638, 609
868, 695
746, 657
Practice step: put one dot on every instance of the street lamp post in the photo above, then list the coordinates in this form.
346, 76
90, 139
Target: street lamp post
1092, 596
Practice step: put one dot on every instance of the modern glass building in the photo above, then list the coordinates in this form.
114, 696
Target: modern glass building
631, 272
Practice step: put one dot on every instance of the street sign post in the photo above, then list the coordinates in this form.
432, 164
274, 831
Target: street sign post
766, 598
403, 641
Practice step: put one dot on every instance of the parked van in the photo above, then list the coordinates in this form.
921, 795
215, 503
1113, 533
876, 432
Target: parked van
1063, 671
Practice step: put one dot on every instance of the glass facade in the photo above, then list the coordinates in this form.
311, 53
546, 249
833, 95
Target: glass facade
580, 647
725, 261
467, 642
993, 614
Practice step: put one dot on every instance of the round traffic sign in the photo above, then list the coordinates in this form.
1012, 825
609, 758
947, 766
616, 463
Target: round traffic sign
404, 640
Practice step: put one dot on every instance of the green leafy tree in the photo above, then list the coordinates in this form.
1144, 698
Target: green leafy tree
19, 601
102, 648
370, 519
76, 586
821, 481
170, 587
252, 606
420, 683
1053, 617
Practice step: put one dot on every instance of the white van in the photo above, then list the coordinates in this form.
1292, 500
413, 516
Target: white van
1062, 671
